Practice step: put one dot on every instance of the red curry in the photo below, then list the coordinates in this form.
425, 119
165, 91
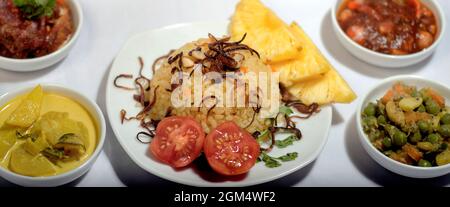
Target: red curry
396, 27
21, 37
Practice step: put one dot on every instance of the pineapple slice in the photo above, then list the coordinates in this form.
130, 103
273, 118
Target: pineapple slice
329, 88
303, 69
308, 65
266, 33
28, 111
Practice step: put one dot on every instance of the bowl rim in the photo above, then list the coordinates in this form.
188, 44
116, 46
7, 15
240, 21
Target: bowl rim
101, 135
364, 138
77, 9
440, 16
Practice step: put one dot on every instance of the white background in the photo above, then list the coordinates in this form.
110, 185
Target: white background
109, 23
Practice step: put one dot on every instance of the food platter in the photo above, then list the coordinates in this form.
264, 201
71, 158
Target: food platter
150, 45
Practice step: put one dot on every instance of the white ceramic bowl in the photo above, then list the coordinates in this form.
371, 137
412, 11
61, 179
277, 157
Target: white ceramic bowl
376, 93
384, 60
33, 64
67, 177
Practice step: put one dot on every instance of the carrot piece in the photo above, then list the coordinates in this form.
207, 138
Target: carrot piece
353, 5
436, 97
61, 2
388, 96
403, 90
399, 88
401, 157
412, 152
413, 117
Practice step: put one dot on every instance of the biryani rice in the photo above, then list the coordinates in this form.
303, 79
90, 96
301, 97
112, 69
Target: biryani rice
242, 116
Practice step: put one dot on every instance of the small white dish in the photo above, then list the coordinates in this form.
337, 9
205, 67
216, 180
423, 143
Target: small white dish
33, 64
397, 167
384, 60
70, 176
155, 43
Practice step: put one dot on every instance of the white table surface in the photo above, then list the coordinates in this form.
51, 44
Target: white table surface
109, 23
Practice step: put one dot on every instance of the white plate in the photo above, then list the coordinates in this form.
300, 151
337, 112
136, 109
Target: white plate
153, 44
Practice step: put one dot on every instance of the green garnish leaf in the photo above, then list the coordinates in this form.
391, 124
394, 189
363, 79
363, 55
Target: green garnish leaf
35, 8
289, 157
269, 161
70, 139
263, 137
273, 162
67, 136
32, 136
286, 142
53, 154
286, 110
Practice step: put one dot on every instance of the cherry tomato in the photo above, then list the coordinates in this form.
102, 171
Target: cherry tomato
230, 150
178, 141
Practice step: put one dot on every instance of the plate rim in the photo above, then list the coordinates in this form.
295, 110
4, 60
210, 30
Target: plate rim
313, 157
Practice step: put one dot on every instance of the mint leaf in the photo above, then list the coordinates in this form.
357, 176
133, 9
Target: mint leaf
273, 162
288, 157
42, 2
269, 161
35, 8
19, 3
49, 8
286, 142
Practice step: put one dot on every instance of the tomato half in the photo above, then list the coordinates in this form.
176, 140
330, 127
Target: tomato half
178, 141
230, 150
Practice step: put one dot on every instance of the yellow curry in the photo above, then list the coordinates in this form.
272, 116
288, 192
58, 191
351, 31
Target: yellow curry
45, 134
